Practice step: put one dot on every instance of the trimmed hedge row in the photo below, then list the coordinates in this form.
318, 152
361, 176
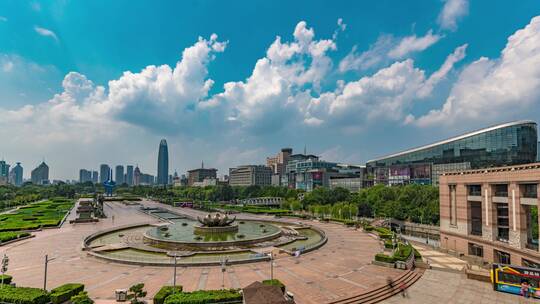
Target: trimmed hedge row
7, 279
164, 292
34, 216
23, 295
8, 236
205, 297
64, 292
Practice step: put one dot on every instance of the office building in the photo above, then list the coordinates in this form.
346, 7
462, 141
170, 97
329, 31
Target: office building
250, 175
119, 175
104, 171
147, 179
4, 173
85, 176
129, 175
278, 164
40, 175
198, 175
95, 177
491, 214
502, 145
16, 175
137, 176
350, 177
163, 163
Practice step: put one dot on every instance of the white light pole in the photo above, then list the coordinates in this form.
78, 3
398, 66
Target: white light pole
174, 276
47, 260
5, 262
223, 270
271, 265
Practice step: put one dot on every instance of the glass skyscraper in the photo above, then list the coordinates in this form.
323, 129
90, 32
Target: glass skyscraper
163, 163
511, 143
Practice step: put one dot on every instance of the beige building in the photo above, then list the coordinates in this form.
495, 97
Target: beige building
200, 174
250, 175
492, 214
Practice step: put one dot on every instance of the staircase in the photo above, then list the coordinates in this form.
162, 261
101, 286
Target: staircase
383, 292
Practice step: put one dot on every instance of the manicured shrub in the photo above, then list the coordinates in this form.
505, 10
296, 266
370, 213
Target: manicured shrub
7, 279
403, 252
368, 228
23, 295
164, 292
417, 254
275, 282
205, 297
81, 298
381, 257
388, 244
8, 236
64, 292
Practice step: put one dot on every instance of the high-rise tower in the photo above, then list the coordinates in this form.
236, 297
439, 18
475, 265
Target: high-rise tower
163, 163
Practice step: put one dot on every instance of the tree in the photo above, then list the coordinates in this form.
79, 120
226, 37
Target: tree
136, 292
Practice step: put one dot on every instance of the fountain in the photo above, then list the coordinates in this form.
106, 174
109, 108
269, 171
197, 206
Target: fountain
216, 223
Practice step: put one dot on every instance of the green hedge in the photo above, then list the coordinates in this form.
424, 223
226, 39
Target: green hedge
23, 295
403, 252
64, 292
275, 282
381, 257
164, 292
368, 228
205, 297
388, 244
8, 236
417, 254
7, 278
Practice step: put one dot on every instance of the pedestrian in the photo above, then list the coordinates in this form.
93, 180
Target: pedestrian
403, 290
390, 283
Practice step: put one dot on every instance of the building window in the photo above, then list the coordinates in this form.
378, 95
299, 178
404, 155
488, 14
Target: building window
476, 250
530, 191
501, 190
501, 257
453, 207
475, 215
502, 222
530, 264
474, 190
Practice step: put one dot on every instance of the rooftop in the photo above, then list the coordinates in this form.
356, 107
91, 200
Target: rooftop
469, 134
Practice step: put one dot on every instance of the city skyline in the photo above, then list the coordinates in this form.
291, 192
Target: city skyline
351, 82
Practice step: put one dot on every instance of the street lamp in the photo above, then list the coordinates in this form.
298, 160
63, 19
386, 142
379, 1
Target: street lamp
174, 275
47, 260
271, 255
5, 262
223, 269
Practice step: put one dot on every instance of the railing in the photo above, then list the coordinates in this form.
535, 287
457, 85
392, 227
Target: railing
501, 193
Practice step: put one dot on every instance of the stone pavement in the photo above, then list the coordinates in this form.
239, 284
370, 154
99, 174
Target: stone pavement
439, 260
437, 286
339, 269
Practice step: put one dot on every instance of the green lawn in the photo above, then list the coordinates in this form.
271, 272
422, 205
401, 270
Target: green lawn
43, 214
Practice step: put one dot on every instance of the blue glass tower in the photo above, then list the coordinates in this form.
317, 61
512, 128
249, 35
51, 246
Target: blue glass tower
163, 163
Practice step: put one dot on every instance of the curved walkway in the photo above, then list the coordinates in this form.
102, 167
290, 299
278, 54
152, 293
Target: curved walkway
339, 269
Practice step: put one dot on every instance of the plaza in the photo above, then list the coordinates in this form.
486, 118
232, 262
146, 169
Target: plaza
341, 268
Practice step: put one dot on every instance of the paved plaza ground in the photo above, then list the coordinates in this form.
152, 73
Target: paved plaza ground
341, 268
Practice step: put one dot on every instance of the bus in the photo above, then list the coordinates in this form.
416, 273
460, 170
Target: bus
508, 278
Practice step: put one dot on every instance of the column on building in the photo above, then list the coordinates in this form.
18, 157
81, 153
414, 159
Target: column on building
517, 217
489, 216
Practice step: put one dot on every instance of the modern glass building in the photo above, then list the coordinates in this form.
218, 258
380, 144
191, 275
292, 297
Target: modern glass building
511, 143
163, 163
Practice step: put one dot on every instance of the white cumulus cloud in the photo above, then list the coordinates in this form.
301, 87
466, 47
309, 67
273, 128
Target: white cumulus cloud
452, 11
489, 90
45, 32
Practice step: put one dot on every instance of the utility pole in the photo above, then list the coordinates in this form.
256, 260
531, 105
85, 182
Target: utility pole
47, 260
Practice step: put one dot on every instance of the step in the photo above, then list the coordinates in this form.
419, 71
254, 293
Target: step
383, 292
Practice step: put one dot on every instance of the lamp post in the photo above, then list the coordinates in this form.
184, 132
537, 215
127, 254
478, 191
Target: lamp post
47, 260
174, 275
5, 262
223, 270
271, 255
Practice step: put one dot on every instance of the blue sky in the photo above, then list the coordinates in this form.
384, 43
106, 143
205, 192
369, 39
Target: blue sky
86, 82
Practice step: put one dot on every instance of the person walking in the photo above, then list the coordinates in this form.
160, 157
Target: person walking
403, 290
